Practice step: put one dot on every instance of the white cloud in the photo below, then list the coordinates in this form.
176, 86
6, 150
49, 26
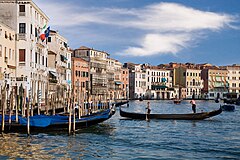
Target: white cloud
160, 43
166, 27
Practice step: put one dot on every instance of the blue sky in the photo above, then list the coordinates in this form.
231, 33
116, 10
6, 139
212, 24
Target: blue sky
151, 31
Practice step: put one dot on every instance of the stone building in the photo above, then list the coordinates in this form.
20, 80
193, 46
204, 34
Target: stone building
59, 56
98, 70
27, 20
189, 80
7, 56
159, 83
215, 82
80, 79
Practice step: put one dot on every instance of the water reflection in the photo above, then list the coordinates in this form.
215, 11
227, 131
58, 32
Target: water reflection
119, 138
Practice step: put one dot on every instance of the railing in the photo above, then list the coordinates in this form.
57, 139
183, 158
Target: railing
53, 81
6, 59
21, 36
22, 13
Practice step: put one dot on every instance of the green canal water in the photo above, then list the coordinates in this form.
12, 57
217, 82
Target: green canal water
119, 138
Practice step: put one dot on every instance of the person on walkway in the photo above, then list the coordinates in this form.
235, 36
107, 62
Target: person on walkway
193, 105
148, 111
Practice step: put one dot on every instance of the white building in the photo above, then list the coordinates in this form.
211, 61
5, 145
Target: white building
59, 64
27, 19
159, 83
234, 78
7, 56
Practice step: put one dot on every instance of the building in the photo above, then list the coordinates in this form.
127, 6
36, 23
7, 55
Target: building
59, 62
98, 70
137, 80
189, 81
7, 56
80, 79
159, 83
234, 78
215, 82
125, 83
27, 20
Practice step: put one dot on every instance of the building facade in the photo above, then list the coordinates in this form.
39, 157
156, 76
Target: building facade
234, 78
215, 82
80, 79
58, 64
189, 81
7, 56
159, 83
125, 83
27, 20
98, 70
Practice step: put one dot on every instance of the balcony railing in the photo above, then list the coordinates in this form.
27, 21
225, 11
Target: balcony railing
53, 81
21, 36
22, 13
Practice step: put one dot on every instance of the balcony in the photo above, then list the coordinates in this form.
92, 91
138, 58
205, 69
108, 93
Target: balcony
6, 59
53, 81
22, 13
21, 36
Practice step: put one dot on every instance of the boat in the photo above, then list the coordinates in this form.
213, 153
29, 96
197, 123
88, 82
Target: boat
120, 103
190, 116
45, 123
228, 107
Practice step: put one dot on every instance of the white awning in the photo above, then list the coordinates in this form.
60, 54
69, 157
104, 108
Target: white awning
53, 73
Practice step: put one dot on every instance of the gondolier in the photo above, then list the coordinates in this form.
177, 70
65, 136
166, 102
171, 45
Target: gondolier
193, 105
148, 111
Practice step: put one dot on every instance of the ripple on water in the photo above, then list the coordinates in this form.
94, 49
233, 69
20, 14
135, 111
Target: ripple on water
118, 138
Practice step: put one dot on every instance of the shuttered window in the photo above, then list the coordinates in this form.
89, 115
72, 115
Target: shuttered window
22, 8
22, 27
21, 55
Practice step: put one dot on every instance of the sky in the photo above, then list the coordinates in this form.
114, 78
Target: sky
151, 31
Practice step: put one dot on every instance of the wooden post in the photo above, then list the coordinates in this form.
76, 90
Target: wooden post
54, 104
74, 116
28, 118
3, 107
10, 108
69, 119
23, 103
78, 99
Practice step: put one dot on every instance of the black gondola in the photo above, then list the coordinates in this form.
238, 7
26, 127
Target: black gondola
190, 116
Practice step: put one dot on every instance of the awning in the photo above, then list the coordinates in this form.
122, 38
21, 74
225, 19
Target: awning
118, 82
164, 79
53, 73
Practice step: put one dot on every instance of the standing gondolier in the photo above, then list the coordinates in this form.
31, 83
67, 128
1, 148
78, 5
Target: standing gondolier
193, 105
148, 111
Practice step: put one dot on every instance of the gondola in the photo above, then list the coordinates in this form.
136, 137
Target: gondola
44, 123
120, 103
228, 107
190, 116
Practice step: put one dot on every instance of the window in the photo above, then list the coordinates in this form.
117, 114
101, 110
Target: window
43, 60
31, 28
13, 55
49, 39
21, 55
21, 8
10, 53
22, 27
36, 57
36, 32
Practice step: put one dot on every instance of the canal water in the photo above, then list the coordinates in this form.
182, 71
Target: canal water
120, 138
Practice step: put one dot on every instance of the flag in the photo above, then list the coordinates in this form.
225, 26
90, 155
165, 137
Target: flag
45, 32
42, 34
